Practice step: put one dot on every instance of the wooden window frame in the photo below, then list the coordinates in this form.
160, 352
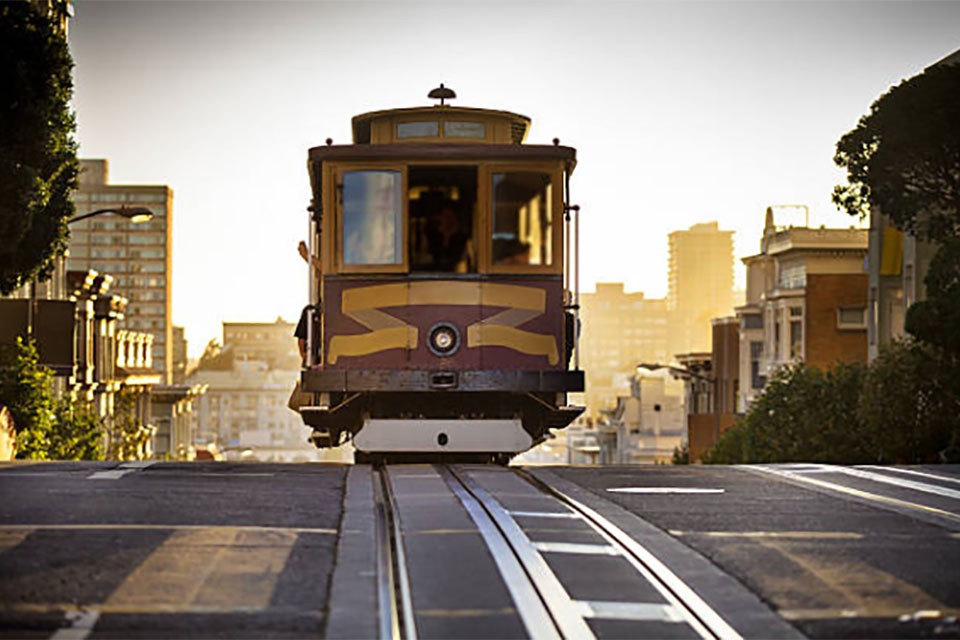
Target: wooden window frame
337, 172
485, 197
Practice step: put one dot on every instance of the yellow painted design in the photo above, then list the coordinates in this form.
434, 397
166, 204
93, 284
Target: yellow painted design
364, 304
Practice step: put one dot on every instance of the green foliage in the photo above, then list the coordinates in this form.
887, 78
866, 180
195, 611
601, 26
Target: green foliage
805, 415
903, 408
909, 406
25, 390
46, 429
681, 454
936, 320
127, 439
904, 156
76, 434
38, 156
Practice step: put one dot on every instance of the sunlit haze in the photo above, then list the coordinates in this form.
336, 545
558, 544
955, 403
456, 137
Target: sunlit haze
681, 112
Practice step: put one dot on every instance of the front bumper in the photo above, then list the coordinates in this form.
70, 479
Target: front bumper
367, 380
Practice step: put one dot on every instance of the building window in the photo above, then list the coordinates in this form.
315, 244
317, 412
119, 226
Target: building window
751, 321
776, 334
757, 381
796, 339
852, 318
793, 276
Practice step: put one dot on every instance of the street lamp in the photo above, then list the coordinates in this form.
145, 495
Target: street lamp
136, 215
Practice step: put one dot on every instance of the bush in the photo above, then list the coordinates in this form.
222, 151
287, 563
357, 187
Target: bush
910, 407
681, 454
804, 414
46, 429
903, 408
25, 390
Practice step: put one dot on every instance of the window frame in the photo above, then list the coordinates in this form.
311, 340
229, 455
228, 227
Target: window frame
852, 326
338, 172
485, 197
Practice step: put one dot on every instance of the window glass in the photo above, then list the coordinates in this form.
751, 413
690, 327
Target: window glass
464, 129
440, 216
426, 129
522, 218
372, 218
796, 339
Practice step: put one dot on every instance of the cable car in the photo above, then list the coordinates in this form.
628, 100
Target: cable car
443, 299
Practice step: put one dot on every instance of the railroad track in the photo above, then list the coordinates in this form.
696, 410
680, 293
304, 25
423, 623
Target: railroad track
562, 570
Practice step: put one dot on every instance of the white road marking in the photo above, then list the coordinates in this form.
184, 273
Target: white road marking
572, 547
566, 515
112, 474
635, 611
138, 464
81, 625
663, 490
788, 535
900, 482
913, 472
875, 497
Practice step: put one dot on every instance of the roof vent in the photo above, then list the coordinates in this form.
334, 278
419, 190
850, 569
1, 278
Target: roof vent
442, 93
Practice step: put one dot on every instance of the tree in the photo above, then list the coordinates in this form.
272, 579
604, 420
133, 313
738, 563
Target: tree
77, 433
38, 156
936, 320
804, 414
909, 406
904, 156
25, 390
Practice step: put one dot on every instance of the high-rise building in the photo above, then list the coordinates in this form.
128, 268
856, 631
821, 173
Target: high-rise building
620, 330
700, 284
137, 255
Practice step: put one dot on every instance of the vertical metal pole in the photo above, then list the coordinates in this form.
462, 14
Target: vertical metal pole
566, 234
311, 289
576, 286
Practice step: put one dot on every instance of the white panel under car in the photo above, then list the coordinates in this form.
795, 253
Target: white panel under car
450, 436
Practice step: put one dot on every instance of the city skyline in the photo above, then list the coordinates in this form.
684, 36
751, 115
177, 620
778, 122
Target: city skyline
681, 113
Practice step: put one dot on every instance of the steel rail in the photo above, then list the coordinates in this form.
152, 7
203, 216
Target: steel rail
393, 582
528, 601
697, 613
568, 622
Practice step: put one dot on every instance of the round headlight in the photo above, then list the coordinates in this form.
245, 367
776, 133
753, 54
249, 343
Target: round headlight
444, 339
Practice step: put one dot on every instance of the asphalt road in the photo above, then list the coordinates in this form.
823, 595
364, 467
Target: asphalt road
101, 550
837, 555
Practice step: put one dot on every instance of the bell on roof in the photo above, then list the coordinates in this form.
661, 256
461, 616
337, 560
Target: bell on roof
442, 93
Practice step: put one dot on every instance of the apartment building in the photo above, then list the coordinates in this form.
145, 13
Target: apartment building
806, 301
137, 255
247, 388
272, 343
620, 330
700, 285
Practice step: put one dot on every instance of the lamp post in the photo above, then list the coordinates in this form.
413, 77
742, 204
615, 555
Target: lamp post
136, 215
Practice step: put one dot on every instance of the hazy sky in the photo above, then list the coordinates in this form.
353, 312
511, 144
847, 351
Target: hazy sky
681, 112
